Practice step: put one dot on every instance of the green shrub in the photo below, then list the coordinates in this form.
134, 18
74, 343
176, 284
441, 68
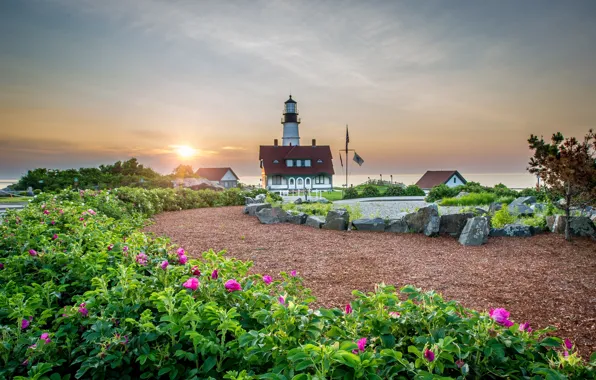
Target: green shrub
320, 209
442, 191
370, 191
472, 199
395, 191
232, 197
350, 193
413, 190
355, 211
502, 218
535, 221
98, 304
273, 197
37, 191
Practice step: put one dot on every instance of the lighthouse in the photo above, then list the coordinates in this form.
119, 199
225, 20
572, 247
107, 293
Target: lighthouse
290, 122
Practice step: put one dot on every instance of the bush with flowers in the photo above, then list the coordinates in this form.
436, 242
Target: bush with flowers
85, 294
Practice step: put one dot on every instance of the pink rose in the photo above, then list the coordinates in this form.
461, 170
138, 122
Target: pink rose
192, 283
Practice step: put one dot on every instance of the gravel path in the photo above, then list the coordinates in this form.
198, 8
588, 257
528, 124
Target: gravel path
542, 279
391, 209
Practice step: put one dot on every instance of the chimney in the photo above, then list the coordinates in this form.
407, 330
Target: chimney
275, 142
314, 142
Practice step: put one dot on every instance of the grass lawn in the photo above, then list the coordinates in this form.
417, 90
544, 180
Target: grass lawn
332, 195
4, 200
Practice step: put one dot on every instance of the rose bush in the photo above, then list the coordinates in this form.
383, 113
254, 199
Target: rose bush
105, 300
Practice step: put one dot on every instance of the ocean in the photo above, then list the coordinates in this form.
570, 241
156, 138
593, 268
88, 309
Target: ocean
7, 182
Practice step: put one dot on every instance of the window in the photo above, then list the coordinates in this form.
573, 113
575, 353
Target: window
290, 163
299, 163
320, 180
276, 180
290, 108
275, 162
307, 183
319, 161
291, 181
454, 179
307, 163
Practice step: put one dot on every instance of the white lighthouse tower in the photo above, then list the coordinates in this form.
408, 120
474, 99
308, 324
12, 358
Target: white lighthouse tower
290, 121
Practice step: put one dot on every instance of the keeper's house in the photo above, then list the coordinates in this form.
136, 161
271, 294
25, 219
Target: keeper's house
292, 166
432, 178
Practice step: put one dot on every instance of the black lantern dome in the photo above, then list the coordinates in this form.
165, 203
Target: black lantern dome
290, 111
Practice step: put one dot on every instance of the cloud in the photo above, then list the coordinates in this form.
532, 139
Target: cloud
233, 148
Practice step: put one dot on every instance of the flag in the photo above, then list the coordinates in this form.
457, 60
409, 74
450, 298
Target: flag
358, 159
347, 135
341, 161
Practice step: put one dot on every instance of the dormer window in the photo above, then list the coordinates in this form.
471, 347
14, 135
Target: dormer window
319, 161
289, 163
298, 163
307, 163
275, 162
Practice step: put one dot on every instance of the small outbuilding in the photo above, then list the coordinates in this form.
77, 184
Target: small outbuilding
434, 178
222, 176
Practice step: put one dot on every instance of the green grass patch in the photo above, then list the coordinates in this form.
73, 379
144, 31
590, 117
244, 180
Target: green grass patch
475, 199
332, 195
5, 200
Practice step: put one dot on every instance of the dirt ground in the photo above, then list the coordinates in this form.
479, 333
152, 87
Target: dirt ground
543, 279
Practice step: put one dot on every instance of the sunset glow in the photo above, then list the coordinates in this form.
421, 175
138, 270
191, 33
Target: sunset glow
185, 151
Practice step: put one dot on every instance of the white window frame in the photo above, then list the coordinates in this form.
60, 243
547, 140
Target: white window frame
298, 163
275, 179
307, 163
289, 163
320, 180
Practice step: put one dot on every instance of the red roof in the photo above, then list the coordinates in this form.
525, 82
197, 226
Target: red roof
214, 174
431, 178
270, 153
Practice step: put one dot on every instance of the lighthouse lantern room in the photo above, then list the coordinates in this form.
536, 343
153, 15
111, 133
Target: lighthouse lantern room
290, 121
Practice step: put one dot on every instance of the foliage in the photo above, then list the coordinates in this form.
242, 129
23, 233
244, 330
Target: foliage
442, 191
501, 191
413, 190
475, 199
184, 171
370, 191
320, 209
355, 211
97, 301
395, 191
332, 195
350, 193
567, 167
502, 217
535, 221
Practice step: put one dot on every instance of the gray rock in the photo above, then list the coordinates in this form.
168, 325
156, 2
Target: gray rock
520, 209
272, 215
376, 224
537, 230
494, 207
453, 224
593, 218
417, 221
582, 226
433, 226
337, 220
324, 201
298, 201
260, 198
249, 200
315, 221
517, 230
397, 225
538, 207
497, 232
475, 232
478, 211
299, 218
252, 209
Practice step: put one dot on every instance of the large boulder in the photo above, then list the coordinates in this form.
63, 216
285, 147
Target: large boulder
453, 224
314, 221
397, 225
260, 198
298, 201
418, 221
494, 207
512, 230
475, 232
337, 220
433, 226
521, 206
253, 208
299, 218
272, 215
556, 223
376, 224
582, 226
249, 200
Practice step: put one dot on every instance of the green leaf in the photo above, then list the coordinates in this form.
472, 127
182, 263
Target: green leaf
209, 363
347, 358
347, 345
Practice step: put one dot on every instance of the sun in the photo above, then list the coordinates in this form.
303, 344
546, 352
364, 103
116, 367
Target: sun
185, 151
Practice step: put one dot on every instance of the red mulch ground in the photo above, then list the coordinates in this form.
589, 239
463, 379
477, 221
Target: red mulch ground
542, 279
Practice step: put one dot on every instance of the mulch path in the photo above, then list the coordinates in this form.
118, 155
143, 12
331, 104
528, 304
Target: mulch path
543, 279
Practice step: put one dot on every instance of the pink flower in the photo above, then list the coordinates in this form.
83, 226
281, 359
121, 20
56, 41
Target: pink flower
81, 218
61, 211
53, 222
281, 301
110, 247
232, 285
54, 237
293, 273
525, 327
24, 324
46, 337
33, 252
267, 279
46, 212
348, 309
164, 264
195, 271
214, 275
459, 363
180, 251
1, 266
125, 248
361, 343
568, 343
33, 346
183, 259
566, 354
394, 314
501, 316
90, 211
192, 283
142, 259
429, 355
83, 310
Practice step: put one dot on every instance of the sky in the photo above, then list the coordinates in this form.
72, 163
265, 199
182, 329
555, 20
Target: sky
423, 85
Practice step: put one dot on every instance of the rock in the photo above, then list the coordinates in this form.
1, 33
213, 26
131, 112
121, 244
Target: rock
433, 226
537, 230
538, 207
593, 218
582, 226
272, 215
397, 225
512, 230
298, 201
556, 223
299, 218
453, 224
337, 220
252, 209
376, 224
480, 211
315, 221
561, 203
323, 201
30, 191
520, 209
475, 232
462, 194
417, 221
260, 198
494, 207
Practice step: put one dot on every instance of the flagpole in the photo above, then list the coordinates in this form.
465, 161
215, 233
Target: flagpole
347, 141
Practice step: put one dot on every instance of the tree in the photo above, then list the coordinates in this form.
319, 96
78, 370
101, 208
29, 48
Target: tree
567, 167
183, 171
